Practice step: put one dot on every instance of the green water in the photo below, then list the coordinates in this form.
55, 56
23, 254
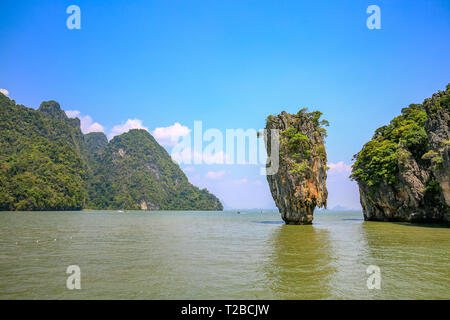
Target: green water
218, 255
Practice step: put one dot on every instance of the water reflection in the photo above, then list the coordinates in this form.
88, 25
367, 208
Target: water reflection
300, 265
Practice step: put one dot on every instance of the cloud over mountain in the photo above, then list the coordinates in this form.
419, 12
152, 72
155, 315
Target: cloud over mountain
87, 124
169, 136
125, 127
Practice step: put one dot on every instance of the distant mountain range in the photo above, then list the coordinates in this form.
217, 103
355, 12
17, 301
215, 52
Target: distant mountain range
337, 208
47, 163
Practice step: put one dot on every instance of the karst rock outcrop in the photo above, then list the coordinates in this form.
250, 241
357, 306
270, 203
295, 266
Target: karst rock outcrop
299, 184
403, 172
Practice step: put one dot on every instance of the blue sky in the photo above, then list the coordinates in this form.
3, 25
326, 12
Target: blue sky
229, 64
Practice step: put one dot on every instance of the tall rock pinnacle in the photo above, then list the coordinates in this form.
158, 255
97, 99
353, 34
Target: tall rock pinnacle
299, 185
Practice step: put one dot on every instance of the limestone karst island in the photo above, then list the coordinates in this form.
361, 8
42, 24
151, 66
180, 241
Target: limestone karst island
403, 173
299, 185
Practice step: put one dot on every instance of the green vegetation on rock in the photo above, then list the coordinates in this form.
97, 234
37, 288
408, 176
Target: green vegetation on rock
135, 172
46, 163
403, 172
39, 166
297, 144
380, 159
299, 185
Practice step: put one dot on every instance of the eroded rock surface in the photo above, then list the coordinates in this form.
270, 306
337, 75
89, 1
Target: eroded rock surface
299, 185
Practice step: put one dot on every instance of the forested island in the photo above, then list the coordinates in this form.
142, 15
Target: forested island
47, 163
403, 172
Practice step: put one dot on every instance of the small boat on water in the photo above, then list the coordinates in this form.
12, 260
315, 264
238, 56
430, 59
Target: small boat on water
238, 212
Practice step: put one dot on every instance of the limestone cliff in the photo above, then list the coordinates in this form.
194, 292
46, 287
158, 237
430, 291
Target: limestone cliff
299, 185
403, 172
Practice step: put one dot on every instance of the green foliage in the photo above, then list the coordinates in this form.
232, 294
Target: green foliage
442, 101
315, 117
134, 168
380, 159
296, 141
269, 119
429, 155
437, 162
46, 163
321, 151
39, 166
303, 148
377, 161
301, 112
432, 193
299, 167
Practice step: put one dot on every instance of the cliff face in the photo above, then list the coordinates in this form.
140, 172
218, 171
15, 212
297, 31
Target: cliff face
299, 185
403, 172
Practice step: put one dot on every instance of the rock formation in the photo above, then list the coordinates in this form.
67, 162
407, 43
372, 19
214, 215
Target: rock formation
403, 172
299, 185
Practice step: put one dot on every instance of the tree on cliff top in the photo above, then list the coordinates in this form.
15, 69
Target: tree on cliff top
380, 158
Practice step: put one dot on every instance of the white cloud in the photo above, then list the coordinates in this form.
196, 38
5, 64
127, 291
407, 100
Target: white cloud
86, 123
72, 113
339, 167
257, 182
125, 127
4, 91
169, 136
189, 169
215, 174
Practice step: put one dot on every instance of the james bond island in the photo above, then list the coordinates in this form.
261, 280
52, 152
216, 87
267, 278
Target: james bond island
403, 172
299, 186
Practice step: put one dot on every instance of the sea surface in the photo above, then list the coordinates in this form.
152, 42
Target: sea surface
218, 255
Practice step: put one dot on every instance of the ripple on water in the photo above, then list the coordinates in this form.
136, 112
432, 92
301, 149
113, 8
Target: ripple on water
218, 255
